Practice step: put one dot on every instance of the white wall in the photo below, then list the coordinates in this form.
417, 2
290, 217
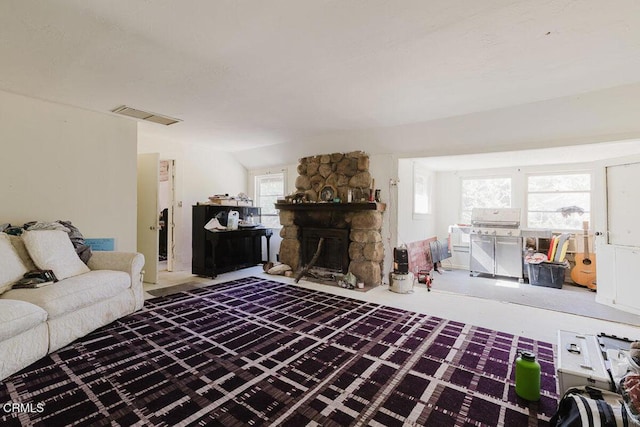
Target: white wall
413, 227
66, 163
384, 168
200, 172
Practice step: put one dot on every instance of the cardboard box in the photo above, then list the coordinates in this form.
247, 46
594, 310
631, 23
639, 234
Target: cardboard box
230, 202
223, 202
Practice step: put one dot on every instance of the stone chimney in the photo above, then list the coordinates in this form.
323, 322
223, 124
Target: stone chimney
337, 170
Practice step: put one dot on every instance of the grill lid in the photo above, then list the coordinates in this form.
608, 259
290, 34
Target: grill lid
496, 217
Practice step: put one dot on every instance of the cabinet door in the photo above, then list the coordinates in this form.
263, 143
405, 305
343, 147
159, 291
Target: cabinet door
628, 291
482, 254
509, 256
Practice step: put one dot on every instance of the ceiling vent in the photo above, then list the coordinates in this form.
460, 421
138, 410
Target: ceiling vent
145, 115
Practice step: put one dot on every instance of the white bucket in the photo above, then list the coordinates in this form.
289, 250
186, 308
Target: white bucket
401, 283
232, 220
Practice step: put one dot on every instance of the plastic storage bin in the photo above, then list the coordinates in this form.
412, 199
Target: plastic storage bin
549, 274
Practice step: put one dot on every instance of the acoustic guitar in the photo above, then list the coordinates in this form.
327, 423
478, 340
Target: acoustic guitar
584, 272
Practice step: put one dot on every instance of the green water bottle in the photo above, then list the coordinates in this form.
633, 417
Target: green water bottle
527, 376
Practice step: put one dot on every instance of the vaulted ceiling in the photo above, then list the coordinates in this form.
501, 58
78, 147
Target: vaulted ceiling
243, 74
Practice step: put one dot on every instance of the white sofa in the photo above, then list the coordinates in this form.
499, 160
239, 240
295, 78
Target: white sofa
35, 322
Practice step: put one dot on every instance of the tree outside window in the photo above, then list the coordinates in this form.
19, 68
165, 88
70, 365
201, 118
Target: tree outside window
558, 201
484, 193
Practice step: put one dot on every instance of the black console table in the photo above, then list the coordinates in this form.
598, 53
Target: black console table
233, 250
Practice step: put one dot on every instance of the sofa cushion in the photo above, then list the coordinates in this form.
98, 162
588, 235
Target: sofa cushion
11, 266
53, 250
17, 317
22, 251
75, 292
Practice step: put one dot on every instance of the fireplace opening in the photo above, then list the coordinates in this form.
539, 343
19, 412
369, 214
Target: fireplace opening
334, 255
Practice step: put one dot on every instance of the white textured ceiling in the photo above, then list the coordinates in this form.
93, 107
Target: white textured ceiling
243, 74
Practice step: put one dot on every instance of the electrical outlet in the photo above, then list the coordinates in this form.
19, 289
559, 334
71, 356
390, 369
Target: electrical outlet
393, 182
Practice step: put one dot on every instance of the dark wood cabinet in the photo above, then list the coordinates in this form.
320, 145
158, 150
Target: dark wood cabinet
217, 252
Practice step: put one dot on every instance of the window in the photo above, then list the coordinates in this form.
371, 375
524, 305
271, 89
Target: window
269, 188
484, 193
559, 201
420, 190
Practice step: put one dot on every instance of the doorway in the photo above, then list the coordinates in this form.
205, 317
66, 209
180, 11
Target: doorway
166, 204
156, 214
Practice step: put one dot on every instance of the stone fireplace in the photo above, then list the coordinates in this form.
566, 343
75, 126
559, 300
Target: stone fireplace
320, 208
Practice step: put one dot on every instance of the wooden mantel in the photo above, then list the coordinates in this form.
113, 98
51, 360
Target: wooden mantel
330, 206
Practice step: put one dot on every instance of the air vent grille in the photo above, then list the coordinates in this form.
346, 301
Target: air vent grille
145, 115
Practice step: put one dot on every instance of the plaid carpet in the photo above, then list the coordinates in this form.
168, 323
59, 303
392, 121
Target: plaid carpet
258, 352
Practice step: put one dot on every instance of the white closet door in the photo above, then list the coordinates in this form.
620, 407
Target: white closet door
623, 198
618, 234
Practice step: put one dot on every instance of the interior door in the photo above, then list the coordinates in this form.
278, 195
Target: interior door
148, 214
617, 233
171, 255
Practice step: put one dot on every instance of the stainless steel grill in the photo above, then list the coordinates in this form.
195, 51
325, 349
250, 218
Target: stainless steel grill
496, 222
496, 243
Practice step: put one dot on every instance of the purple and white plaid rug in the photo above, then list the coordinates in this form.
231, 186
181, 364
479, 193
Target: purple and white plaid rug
258, 352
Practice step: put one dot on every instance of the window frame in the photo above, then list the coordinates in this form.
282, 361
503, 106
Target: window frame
420, 172
590, 173
257, 196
